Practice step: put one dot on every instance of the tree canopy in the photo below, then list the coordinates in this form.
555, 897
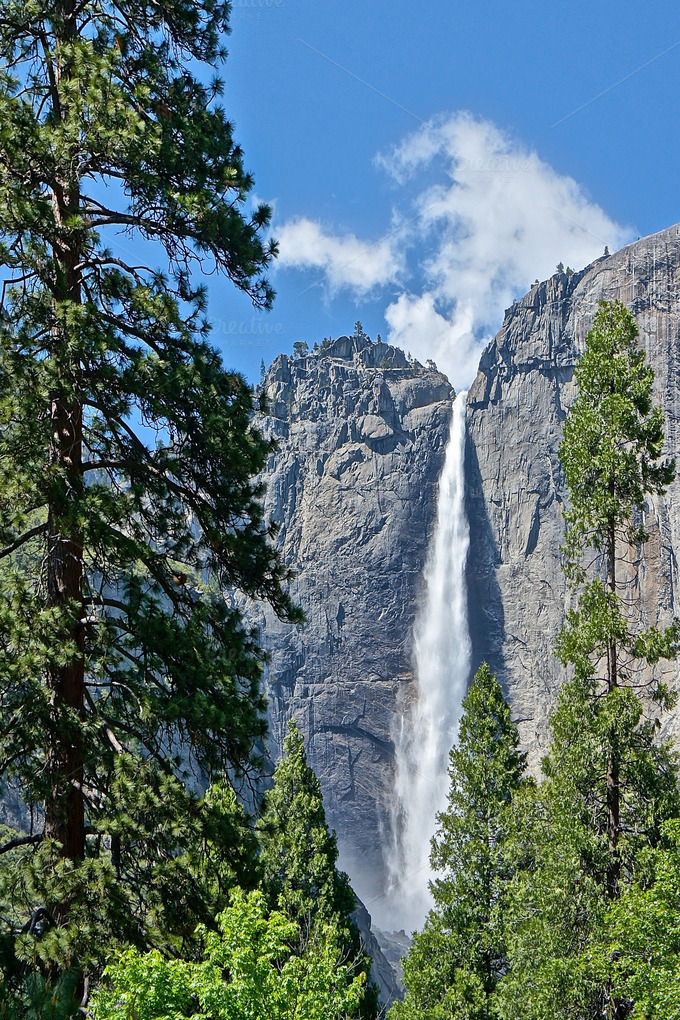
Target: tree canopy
247, 971
299, 854
612, 459
585, 835
128, 507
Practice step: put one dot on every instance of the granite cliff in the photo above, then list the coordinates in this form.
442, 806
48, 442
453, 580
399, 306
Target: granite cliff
353, 487
361, 437
514, 483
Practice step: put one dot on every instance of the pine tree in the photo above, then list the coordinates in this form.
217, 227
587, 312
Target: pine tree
611, 455
642, 934
610, 783
455, 964
556, 915
359, 333
127, 451
299, 856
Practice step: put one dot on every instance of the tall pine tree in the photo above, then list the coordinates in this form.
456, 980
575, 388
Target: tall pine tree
610, 782
455, 964
612, 459
127, 451
299, 856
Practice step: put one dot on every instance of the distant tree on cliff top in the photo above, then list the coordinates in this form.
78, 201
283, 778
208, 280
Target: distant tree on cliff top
127, 452
359, 333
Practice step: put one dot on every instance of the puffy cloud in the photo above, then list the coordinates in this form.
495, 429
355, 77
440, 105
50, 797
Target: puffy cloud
482, 216
499, 217
416, 326
343, 261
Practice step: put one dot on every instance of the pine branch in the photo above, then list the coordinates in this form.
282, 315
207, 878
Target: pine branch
39, 529
21, 841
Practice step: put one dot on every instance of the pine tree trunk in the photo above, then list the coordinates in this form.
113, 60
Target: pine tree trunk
64, 765
613, 781
64, 807
615, 1009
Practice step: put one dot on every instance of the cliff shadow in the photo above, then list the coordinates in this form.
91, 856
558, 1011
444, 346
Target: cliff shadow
486, 614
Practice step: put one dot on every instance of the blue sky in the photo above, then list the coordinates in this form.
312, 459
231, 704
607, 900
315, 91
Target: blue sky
427, 162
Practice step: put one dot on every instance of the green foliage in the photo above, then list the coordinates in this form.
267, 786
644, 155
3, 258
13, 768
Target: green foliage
585, 836
611, 454
164, 861
300, 349
248, 971
560, 841
613, 439
179, 855
298, 852
299, 855
129, 513
44, 999
551, 901
456, 963
556, 902
641, 937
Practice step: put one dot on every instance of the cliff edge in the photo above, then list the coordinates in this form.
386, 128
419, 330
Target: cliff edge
515, 485
361, 434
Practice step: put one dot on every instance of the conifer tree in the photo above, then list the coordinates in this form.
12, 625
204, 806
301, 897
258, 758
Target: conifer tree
558, 903
299, 856
642, 934
610, 783
612, 459
127, 451
455, 964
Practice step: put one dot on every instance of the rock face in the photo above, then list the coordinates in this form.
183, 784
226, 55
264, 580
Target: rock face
352, 486
515, 486
386, 971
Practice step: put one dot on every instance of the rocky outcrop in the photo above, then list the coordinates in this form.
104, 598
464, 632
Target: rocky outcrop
515, 486
394, 946
361, 437
386, 971
353, 485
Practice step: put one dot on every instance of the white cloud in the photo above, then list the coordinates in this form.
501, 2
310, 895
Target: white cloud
343, 261
500, 217
495, 218
417, 326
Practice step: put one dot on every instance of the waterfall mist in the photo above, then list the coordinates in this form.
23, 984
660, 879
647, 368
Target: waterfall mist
424, 735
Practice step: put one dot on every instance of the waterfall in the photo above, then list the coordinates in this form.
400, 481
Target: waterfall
424, 736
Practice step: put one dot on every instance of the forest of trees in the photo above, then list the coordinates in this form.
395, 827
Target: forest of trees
558, 898
130, 699
150, 877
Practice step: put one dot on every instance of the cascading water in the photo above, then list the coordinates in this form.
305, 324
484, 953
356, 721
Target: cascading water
442, 658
